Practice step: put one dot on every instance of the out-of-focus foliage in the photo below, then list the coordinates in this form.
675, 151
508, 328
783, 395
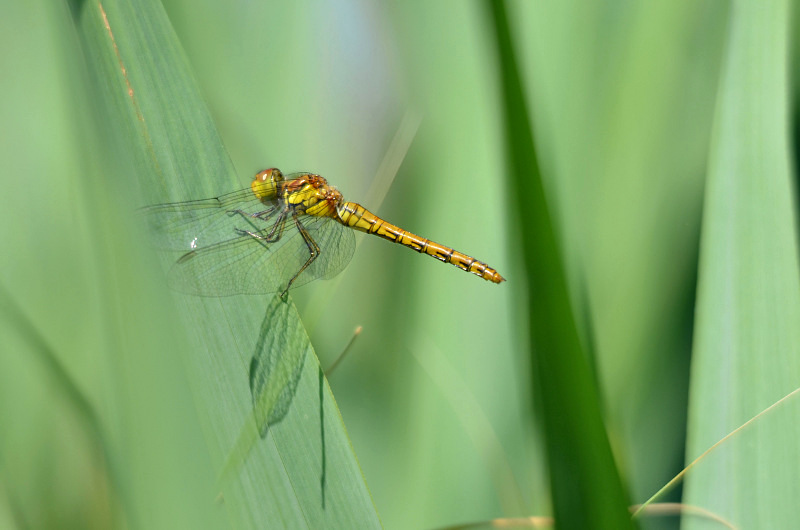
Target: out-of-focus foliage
661, 131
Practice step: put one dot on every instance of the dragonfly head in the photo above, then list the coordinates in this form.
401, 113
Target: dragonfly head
266, 183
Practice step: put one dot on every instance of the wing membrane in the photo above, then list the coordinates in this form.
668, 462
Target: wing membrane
247, 265
197, 224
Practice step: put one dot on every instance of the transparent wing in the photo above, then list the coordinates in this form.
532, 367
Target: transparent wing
247, 265
197, 224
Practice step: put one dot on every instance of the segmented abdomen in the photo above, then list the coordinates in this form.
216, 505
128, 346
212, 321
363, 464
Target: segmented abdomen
356, 216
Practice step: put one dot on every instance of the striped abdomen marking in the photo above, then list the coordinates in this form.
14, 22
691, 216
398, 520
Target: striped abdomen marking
357, 217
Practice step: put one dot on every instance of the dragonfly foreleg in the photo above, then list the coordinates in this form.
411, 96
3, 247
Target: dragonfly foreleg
273, 235
264, 215
313, 251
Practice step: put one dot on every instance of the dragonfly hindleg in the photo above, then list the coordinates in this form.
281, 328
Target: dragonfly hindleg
313, 251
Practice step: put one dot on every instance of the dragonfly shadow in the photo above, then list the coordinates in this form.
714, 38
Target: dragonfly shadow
275, 371
277, 364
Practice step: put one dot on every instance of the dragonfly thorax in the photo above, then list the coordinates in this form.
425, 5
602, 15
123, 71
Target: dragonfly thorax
310, 194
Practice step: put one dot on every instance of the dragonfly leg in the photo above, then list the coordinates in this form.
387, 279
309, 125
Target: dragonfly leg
273, 235
313, 251
266, 214
277, 229
261, 216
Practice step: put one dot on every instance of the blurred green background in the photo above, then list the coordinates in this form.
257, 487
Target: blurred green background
108, 417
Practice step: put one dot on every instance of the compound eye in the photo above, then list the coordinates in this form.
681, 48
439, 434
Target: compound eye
265, 185
264, 175
268, 175
275, 174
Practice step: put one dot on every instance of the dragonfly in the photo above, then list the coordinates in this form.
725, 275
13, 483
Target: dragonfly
282, 232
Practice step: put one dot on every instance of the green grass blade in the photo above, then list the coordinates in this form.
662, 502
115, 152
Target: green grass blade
746, 354
304, 474
586, 487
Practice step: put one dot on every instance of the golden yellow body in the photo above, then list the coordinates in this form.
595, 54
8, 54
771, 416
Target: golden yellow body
311, 194
356, 216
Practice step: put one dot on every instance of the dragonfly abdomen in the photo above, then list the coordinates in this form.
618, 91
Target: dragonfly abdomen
356, 216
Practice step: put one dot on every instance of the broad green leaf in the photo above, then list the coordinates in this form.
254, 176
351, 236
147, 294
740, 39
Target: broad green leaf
304, 474
747, 339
